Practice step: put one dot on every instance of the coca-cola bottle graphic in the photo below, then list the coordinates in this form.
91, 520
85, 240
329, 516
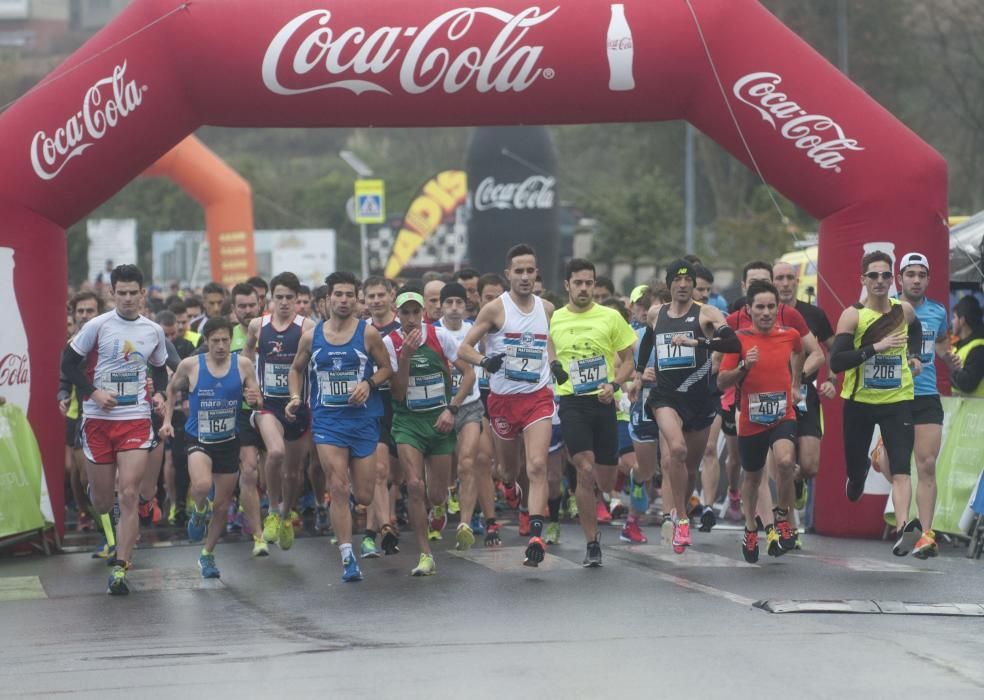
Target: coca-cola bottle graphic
15, 364
512, 192
620, 52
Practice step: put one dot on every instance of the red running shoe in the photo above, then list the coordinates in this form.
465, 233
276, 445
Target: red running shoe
524, 523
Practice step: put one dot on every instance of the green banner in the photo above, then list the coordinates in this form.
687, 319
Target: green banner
20, 474
958, 466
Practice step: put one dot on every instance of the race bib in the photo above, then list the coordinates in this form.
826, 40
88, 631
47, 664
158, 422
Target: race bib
588, 374
883, 372
483, 378
523, 363
801, 405
766, 408
335, 387
670, 356
426, 392
455, 381
217, 424
275, 380
928, 349
127, 386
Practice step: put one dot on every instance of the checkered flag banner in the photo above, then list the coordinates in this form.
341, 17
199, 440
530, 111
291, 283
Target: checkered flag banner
434, 229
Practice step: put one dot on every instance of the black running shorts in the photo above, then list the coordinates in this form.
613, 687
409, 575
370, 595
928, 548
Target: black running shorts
588, 425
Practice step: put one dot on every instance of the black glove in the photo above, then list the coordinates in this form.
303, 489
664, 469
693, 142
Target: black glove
559, 373
494, 363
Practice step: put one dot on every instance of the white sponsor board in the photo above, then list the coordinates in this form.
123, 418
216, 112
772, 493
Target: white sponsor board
110, 241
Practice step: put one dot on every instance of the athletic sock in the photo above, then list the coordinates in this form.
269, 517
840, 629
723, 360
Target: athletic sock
489, 522
554, 505
346, 550
781, 513
536, 525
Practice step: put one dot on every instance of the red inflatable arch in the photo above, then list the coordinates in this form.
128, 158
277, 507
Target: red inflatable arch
166, 67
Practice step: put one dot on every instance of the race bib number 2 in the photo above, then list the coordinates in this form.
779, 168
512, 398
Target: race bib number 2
523, 363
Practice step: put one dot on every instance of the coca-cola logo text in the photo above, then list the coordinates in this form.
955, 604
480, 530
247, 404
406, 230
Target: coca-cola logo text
14, 370
104, 106
535, 192
821, 137
352, 55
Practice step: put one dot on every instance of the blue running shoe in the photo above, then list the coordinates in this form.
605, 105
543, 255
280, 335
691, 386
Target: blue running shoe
638, 496
476, 524
307, 503
351, 571
206, 563
197, 525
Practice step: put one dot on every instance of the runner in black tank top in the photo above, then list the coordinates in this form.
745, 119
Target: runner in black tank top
684, 334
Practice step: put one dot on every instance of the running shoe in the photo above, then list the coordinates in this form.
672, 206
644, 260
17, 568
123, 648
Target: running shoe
492, 538
260, 547
307, 502
572, 506
750, 546
197, 525
799, 544
350, 569
681, 536
926, 547
104, 551
434, 535
454, 505
696, 508
117, 580
908, 536
172, 515
425, 566
772, 537
524, 523
787, 535
707, 519
854, 490
206, 564
145, 511
391, 540
513, 496
616, 509
733, 511
535, 552
802, 494
601, 510
666, 528
553, 533
368, 548
232, 521
592, 559
322, 523
464, 537
438, 519
286, 540
632, 534
476, 524
271, 527
638, 496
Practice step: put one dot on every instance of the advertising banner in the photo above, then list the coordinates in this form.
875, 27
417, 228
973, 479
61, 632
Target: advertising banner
958, 467
21, 477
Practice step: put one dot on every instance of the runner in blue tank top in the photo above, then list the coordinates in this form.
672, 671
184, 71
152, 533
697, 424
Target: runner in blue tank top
215, 383
345, 360
927, 409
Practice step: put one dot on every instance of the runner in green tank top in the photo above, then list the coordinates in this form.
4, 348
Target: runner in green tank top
424, 410
877, 348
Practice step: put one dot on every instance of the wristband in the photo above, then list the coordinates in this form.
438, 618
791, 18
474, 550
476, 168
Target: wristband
453, 409
370, 382
295, 397
616, 387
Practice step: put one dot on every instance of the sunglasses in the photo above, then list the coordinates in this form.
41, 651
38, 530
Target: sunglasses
875, 275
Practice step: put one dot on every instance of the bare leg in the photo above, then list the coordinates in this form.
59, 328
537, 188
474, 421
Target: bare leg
413, 466
536, 438
468, 476
130, 466
928, 439
249, 495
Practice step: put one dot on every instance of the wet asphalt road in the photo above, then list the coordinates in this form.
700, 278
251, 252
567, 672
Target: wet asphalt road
649, 623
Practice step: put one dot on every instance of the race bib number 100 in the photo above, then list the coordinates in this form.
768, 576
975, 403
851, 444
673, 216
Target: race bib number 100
336, 387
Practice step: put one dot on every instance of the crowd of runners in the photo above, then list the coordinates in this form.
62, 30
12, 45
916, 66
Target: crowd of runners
477, 394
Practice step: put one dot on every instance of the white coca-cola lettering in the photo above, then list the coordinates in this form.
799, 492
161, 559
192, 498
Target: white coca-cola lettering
100, 112
354, 54
535, 192
821, 137
14, 370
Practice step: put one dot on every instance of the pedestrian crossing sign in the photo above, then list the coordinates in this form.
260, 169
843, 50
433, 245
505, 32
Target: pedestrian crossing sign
370, 202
